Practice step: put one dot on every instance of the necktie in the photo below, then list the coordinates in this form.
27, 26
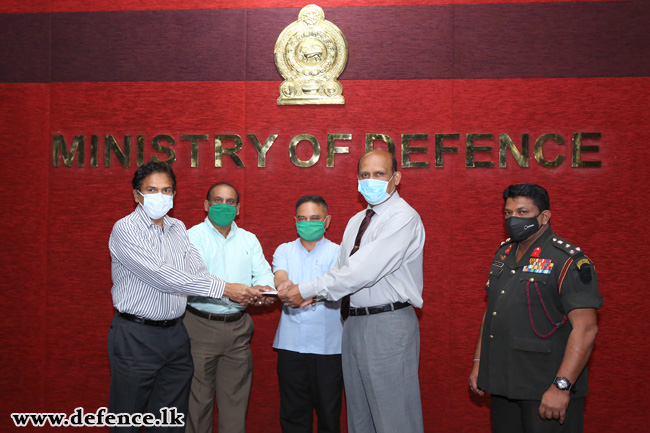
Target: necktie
345, 302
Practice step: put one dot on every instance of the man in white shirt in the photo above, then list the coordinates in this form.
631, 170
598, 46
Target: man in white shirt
308, 340
380, 266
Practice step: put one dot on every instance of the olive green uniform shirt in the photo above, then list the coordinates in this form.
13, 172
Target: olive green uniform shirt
520, 351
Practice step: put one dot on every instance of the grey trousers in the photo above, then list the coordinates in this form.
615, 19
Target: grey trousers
223, 367
381, 354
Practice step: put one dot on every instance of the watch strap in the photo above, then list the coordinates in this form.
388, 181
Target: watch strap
564, 384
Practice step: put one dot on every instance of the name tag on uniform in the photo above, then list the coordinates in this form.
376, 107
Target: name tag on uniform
539, 266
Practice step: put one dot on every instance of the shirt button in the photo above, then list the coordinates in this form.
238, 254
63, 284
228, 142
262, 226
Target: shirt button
494, 313
491, 337
503, 292
512, 271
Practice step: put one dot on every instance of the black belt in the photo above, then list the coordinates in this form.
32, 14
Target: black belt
218, 317
143, 321
364, 311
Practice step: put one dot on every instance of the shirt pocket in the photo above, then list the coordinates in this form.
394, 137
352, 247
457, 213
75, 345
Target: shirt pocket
493, 276
531, 344
544, 299
532, 278
320, 267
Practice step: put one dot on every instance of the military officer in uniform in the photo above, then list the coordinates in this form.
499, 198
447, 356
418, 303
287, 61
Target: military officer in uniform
540, 324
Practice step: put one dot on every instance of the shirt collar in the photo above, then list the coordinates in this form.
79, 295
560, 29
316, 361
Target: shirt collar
148, 222
316, 247
233, 228
544, 237
382, 207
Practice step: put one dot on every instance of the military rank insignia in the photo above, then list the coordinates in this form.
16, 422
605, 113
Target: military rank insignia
539, 266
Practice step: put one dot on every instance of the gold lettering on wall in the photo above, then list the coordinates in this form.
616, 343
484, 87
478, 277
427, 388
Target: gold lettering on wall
548, 150
164, 149
370, 139
94, 150
60, 150
578, 148
219, 150
194, 147
407, 150
521, 157
315, 150
440, 148
332, 148
471, 149
123, 156
539, 147
262, 149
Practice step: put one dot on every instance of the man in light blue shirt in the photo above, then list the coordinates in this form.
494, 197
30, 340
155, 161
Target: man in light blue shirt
308, 340
220, 332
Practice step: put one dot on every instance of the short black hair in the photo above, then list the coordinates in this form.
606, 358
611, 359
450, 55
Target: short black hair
392, 157
311, 199
535, 192
152, 167
207, 197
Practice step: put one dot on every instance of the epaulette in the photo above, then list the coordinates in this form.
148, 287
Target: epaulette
504, 243
563, 245
584, 265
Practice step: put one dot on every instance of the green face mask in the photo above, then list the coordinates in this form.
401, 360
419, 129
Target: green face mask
222, 214
311, 230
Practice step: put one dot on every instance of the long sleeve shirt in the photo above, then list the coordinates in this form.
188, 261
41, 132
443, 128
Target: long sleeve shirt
387, 267
236, 259
154, 268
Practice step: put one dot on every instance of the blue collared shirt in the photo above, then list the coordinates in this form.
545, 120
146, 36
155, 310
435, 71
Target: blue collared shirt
235, 259
307, 330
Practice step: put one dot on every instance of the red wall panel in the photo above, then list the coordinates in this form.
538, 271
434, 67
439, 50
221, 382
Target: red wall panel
56, 265
24, 110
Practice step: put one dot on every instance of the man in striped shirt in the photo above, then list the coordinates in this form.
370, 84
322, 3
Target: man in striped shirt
154, 268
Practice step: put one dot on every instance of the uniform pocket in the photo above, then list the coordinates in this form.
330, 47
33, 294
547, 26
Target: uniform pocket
531, 344
493, 276
532, 277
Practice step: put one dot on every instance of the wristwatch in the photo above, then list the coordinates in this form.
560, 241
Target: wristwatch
563, 384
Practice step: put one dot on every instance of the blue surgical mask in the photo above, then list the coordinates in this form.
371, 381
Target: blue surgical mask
157, 205
374, 191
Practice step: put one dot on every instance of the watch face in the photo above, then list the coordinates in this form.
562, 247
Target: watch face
562, 383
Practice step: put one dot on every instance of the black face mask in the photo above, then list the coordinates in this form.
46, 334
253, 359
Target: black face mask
519, 229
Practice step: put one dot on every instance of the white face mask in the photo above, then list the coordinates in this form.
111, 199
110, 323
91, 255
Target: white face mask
157, 205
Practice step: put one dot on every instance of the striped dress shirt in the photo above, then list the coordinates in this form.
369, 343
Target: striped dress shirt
155, 268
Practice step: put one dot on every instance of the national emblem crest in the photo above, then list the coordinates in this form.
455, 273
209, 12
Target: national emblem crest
310, 54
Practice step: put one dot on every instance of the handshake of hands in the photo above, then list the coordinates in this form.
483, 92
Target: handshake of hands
243, 294
290, 295
287, 292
